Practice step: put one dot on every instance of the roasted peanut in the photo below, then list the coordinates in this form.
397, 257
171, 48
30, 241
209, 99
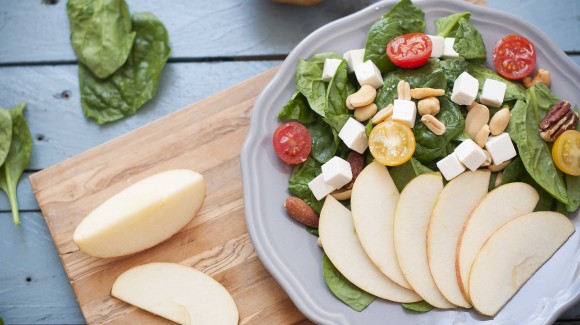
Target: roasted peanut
502, 166
366, 112
487, 161
348, 104
403, 90
498, 179
542, 76
420, 93
383, 114
341, 195
363, 97
429, 105
477, 117
499, 121
433, 124
472, 105
481, 137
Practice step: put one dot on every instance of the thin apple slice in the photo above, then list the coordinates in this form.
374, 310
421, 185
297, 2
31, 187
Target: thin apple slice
412, 216
458, 198
341, 245
373, 201
499, 206
178, 293
512, 255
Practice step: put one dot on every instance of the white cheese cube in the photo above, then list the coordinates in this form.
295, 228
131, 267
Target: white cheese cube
450, 166
500, 148
354, 136
438, 44
354, 58
404, 111
470, 154
465, 89
448, 51
337, 172
493, 92
319, 187
367, 73
330, 67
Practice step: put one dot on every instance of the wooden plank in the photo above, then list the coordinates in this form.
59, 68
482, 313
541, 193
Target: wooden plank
259, 28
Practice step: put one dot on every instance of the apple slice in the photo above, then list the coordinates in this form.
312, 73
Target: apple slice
458, 198
341, 245
410, 235
512, 255
176, 292
499, 206
142, 215
373, 201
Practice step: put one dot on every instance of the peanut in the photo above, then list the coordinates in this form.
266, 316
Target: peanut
477, 117
433, 124
348, 104
383, 114
341, 195
363, 97
498, 179
542, 76
500, 167
481, 137
403, 90
472, 105
499, 121
319, 242
420, 93
429, 105
366, 112
487, 161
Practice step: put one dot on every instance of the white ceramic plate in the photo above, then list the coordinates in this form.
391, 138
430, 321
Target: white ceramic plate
292, 255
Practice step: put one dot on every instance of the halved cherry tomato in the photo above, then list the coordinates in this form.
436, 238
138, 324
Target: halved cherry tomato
292, 142
514, 57
566, 152
410, 50
392, 143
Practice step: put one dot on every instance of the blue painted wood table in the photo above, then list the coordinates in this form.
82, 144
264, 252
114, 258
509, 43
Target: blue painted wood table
215, 44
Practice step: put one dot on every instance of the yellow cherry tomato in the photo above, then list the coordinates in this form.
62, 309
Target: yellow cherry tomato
566, 152
392, 143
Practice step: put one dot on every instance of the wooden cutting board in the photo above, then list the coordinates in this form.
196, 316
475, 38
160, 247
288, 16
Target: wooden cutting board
206, 137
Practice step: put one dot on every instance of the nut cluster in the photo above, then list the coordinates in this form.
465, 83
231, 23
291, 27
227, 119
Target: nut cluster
559, 119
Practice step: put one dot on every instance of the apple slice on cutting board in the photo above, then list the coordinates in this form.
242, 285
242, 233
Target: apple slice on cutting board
458, 198
373, 202
512, 255
499, 206
341, 245
412, 216
177, 292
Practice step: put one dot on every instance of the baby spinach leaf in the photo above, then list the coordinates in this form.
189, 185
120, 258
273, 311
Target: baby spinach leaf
101, 34
309, 81
338, 90
343, 289
514, 91
17, 159
5, 134
406, 172
468, 42
453, 68
514, 172
573, 189
447, 26
135, 83
299, 179
544, 98
402, 19
324, 141
313, 231
420, 307
297, 109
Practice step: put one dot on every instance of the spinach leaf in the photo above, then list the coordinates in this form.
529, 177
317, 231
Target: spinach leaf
320, 58
468, 42
402, 19
573, 189
453, 68
544, 98
5, 134
343, 289
17, 159
420, 307
406, 172
309, 81
100, 34
514, 172
313, 231
135, 83
447, 26
324, 141
299, 179
338, 90
297, 109
514, 91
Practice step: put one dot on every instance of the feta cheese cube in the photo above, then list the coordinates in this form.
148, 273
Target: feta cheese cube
450, 166
493, 92
337, 172
319, 187
465, 89
330, 67
438, 44
367, 73
448, 51
500, 148
354, 58
354, 136
404, 111
470, 154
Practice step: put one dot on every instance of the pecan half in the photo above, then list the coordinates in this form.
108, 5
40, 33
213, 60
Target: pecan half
559, 119
357, 163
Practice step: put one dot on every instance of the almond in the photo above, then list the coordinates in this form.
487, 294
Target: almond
301, 211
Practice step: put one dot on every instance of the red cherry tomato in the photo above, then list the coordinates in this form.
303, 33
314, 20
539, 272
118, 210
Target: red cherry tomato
514, 57
292, 142
410, 50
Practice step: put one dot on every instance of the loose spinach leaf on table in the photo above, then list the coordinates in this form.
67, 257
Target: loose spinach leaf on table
299, 179
101, 34
17, 159
339, 88
420, 307
469, 42
447, 26
5, 134
343, 289
402, 19
297, 109
324, 141
406, 172
309, 81
135, 83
